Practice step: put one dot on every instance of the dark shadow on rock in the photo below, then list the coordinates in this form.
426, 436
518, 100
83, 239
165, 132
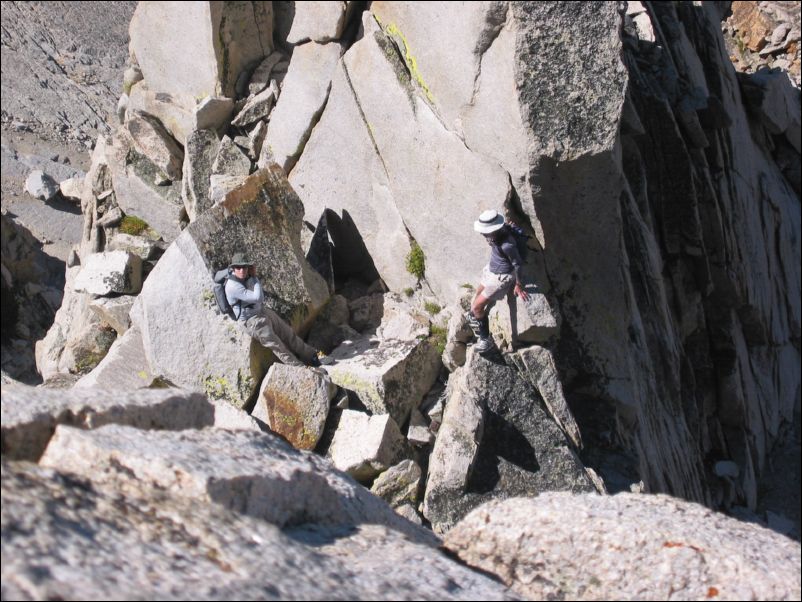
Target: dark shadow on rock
350, 256
61, 204
501, 441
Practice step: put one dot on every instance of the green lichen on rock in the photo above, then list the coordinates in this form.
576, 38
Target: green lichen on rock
219, 387
412, 64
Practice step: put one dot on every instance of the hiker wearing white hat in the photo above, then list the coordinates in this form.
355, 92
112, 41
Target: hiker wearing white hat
499, 276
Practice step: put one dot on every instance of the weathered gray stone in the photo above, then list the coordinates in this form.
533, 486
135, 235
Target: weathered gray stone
227, 468
408, 512
317, 21
366, 312
72, 188
398, 485
256, 138
30, 415
495, 441
124, 368
199, 50
649, 547
181, 113
454, 355
424, 158
364, 446
174, 111
220, 185
400, 321
390, 378
230, 160
201, 151
213, 552
186, 340
537, 365
776, 102
257, 107
303, 96
152, 140
75, 326
260, 78
141, 246
40, 185
418, 432
110, 272
111, 219
137, 191
114, 311
296, 403
213, 113
522, 322
228, 417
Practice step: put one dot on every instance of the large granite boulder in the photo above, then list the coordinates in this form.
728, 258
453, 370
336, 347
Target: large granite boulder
31, 415
67, 537
390, 377
363, 445
125, 366
495, 441
111, 272
186, 339
303, 96
624, 547
250, 472
199, 49
141, 190
295, 402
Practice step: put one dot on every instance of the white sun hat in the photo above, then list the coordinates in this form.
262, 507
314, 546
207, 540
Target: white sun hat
488, 222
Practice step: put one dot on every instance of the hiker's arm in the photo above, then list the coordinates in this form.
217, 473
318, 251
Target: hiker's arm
240, 293
511, 250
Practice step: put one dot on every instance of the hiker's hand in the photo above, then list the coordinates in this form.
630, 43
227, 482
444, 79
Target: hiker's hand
252, 270
519, 290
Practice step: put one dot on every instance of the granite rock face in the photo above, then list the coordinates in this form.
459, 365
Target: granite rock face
495, 441
30, 415
646, 547
101, 543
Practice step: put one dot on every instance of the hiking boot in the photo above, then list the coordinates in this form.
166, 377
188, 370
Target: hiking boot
485, 345
473, 322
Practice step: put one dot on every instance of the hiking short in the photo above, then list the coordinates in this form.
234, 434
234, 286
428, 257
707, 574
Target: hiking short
496, 285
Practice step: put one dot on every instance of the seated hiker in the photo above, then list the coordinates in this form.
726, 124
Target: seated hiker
501, 274
246, 297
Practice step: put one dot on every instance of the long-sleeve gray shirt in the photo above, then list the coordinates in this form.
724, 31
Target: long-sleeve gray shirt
245, 297
504, 257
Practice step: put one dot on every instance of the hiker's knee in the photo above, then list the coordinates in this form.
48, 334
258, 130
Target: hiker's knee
479, 306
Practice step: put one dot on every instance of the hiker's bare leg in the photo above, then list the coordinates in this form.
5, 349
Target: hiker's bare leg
479, 306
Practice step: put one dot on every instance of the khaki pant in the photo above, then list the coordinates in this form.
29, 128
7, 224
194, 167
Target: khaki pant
275, 334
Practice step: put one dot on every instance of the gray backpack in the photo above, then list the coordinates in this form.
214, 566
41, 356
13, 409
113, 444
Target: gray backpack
219, 289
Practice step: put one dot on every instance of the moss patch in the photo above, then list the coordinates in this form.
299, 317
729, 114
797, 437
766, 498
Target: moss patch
432, 308
133, 225
437, 338
416, 262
